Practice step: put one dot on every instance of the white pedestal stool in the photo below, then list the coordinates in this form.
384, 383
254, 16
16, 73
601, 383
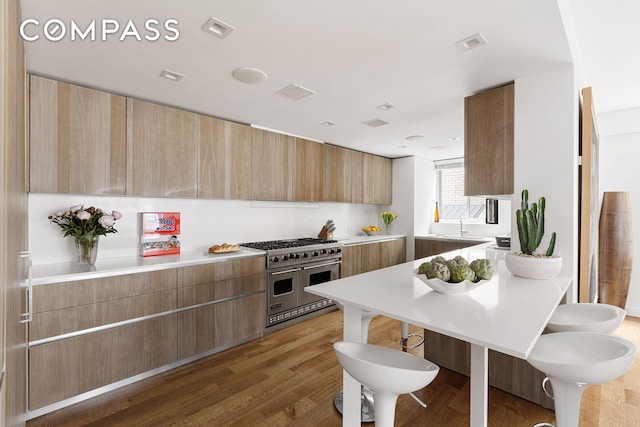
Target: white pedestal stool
387, 372
588, 317
574, 360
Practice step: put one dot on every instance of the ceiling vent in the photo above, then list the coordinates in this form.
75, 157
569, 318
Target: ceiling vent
328, 124
374, 123
217, 28
471, 42
171, 75
294, 91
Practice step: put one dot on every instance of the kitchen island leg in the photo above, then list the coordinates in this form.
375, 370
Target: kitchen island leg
479, 392
351, 404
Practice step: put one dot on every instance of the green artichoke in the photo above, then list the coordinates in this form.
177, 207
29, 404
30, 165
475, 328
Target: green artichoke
439, 259
483, 268
424, 267
460, 273
460, 260
439, 271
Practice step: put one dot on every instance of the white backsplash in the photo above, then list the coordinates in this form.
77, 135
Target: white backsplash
203, 222
477, 228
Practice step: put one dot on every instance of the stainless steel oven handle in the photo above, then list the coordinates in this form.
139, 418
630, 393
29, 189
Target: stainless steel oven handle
322, 265
276, 273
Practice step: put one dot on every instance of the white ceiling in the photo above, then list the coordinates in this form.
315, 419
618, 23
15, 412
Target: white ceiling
356, 55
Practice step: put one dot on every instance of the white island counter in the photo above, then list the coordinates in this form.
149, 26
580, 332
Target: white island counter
506, 314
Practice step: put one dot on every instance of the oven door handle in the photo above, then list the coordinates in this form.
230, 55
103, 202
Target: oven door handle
322, 265
276, 273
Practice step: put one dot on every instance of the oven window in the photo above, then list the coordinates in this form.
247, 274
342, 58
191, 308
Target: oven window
281, 287
321, 277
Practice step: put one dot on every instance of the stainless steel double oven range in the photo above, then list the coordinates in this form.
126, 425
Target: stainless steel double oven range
292, 265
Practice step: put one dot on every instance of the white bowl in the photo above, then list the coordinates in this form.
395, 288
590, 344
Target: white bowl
448, 288
372, 233
533, 267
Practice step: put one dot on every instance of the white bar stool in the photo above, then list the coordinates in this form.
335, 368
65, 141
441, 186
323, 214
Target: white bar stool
387, 372
574, 360
588, 317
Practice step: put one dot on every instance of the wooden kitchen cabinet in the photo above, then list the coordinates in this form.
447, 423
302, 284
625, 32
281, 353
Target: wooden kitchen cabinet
382, 178
162, 150
272, 165
77, 139
365, 257
90, 333
224, 160
62, 366
230, 304
489, 142
337, 174
437, 246
308, 171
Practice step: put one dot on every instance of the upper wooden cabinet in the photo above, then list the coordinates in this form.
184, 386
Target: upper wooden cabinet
308, 170
488, 142
77, 139
337, 174
285, 167
224, 161
162, 150
355, 177
272, 165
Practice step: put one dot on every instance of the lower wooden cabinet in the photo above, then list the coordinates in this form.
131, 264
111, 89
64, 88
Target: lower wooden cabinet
361, 258
68, 367
91, 333
430, 247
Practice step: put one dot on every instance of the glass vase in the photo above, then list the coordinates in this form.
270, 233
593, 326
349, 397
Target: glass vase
86, 249
388, 228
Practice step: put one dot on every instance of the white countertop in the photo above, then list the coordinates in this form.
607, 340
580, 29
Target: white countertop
360, 239
63, 272
506, 314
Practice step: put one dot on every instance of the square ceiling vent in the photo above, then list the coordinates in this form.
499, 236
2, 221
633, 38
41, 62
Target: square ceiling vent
217, 28
374, 123
295, 92
472, 42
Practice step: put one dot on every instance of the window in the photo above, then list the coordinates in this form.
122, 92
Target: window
452, 202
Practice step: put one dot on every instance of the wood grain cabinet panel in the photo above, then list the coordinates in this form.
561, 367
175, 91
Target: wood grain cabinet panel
77, 139
239, 319
308, 170
382, 179
66, 368
162, 150
488, 142
224, 161
431, 247
337, 174
365, 257
271, 165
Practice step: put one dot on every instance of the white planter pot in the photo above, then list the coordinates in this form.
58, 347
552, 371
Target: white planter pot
533, 267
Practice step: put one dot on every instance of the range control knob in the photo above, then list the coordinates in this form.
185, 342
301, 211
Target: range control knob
285, 258
323, 251
315, 253
275, 259
305, 255
338, 250
331, 251
297, 256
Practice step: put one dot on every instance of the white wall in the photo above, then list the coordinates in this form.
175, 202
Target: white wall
204, 222
546, 157
619, 171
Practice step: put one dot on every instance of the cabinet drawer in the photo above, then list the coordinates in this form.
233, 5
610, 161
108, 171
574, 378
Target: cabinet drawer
66, 368
71, 294
217, 271
57, 322
207, 292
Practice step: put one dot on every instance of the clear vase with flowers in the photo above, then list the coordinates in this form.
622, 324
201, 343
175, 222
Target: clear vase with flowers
387, 219
86, 225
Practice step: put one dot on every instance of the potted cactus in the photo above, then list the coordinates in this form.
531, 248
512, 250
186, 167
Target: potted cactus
528, 262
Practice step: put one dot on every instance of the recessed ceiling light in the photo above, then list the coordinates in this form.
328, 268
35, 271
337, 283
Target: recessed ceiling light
171, 75
414, 137
374, 123
250, 75
439, 147
386, 106
217, 28
294, 91
471, 42
402, 146
328, 124
454, 139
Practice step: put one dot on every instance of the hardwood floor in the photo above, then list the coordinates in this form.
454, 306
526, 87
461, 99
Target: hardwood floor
290, 377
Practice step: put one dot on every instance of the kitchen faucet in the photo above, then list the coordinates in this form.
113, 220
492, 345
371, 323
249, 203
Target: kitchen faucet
462, 231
